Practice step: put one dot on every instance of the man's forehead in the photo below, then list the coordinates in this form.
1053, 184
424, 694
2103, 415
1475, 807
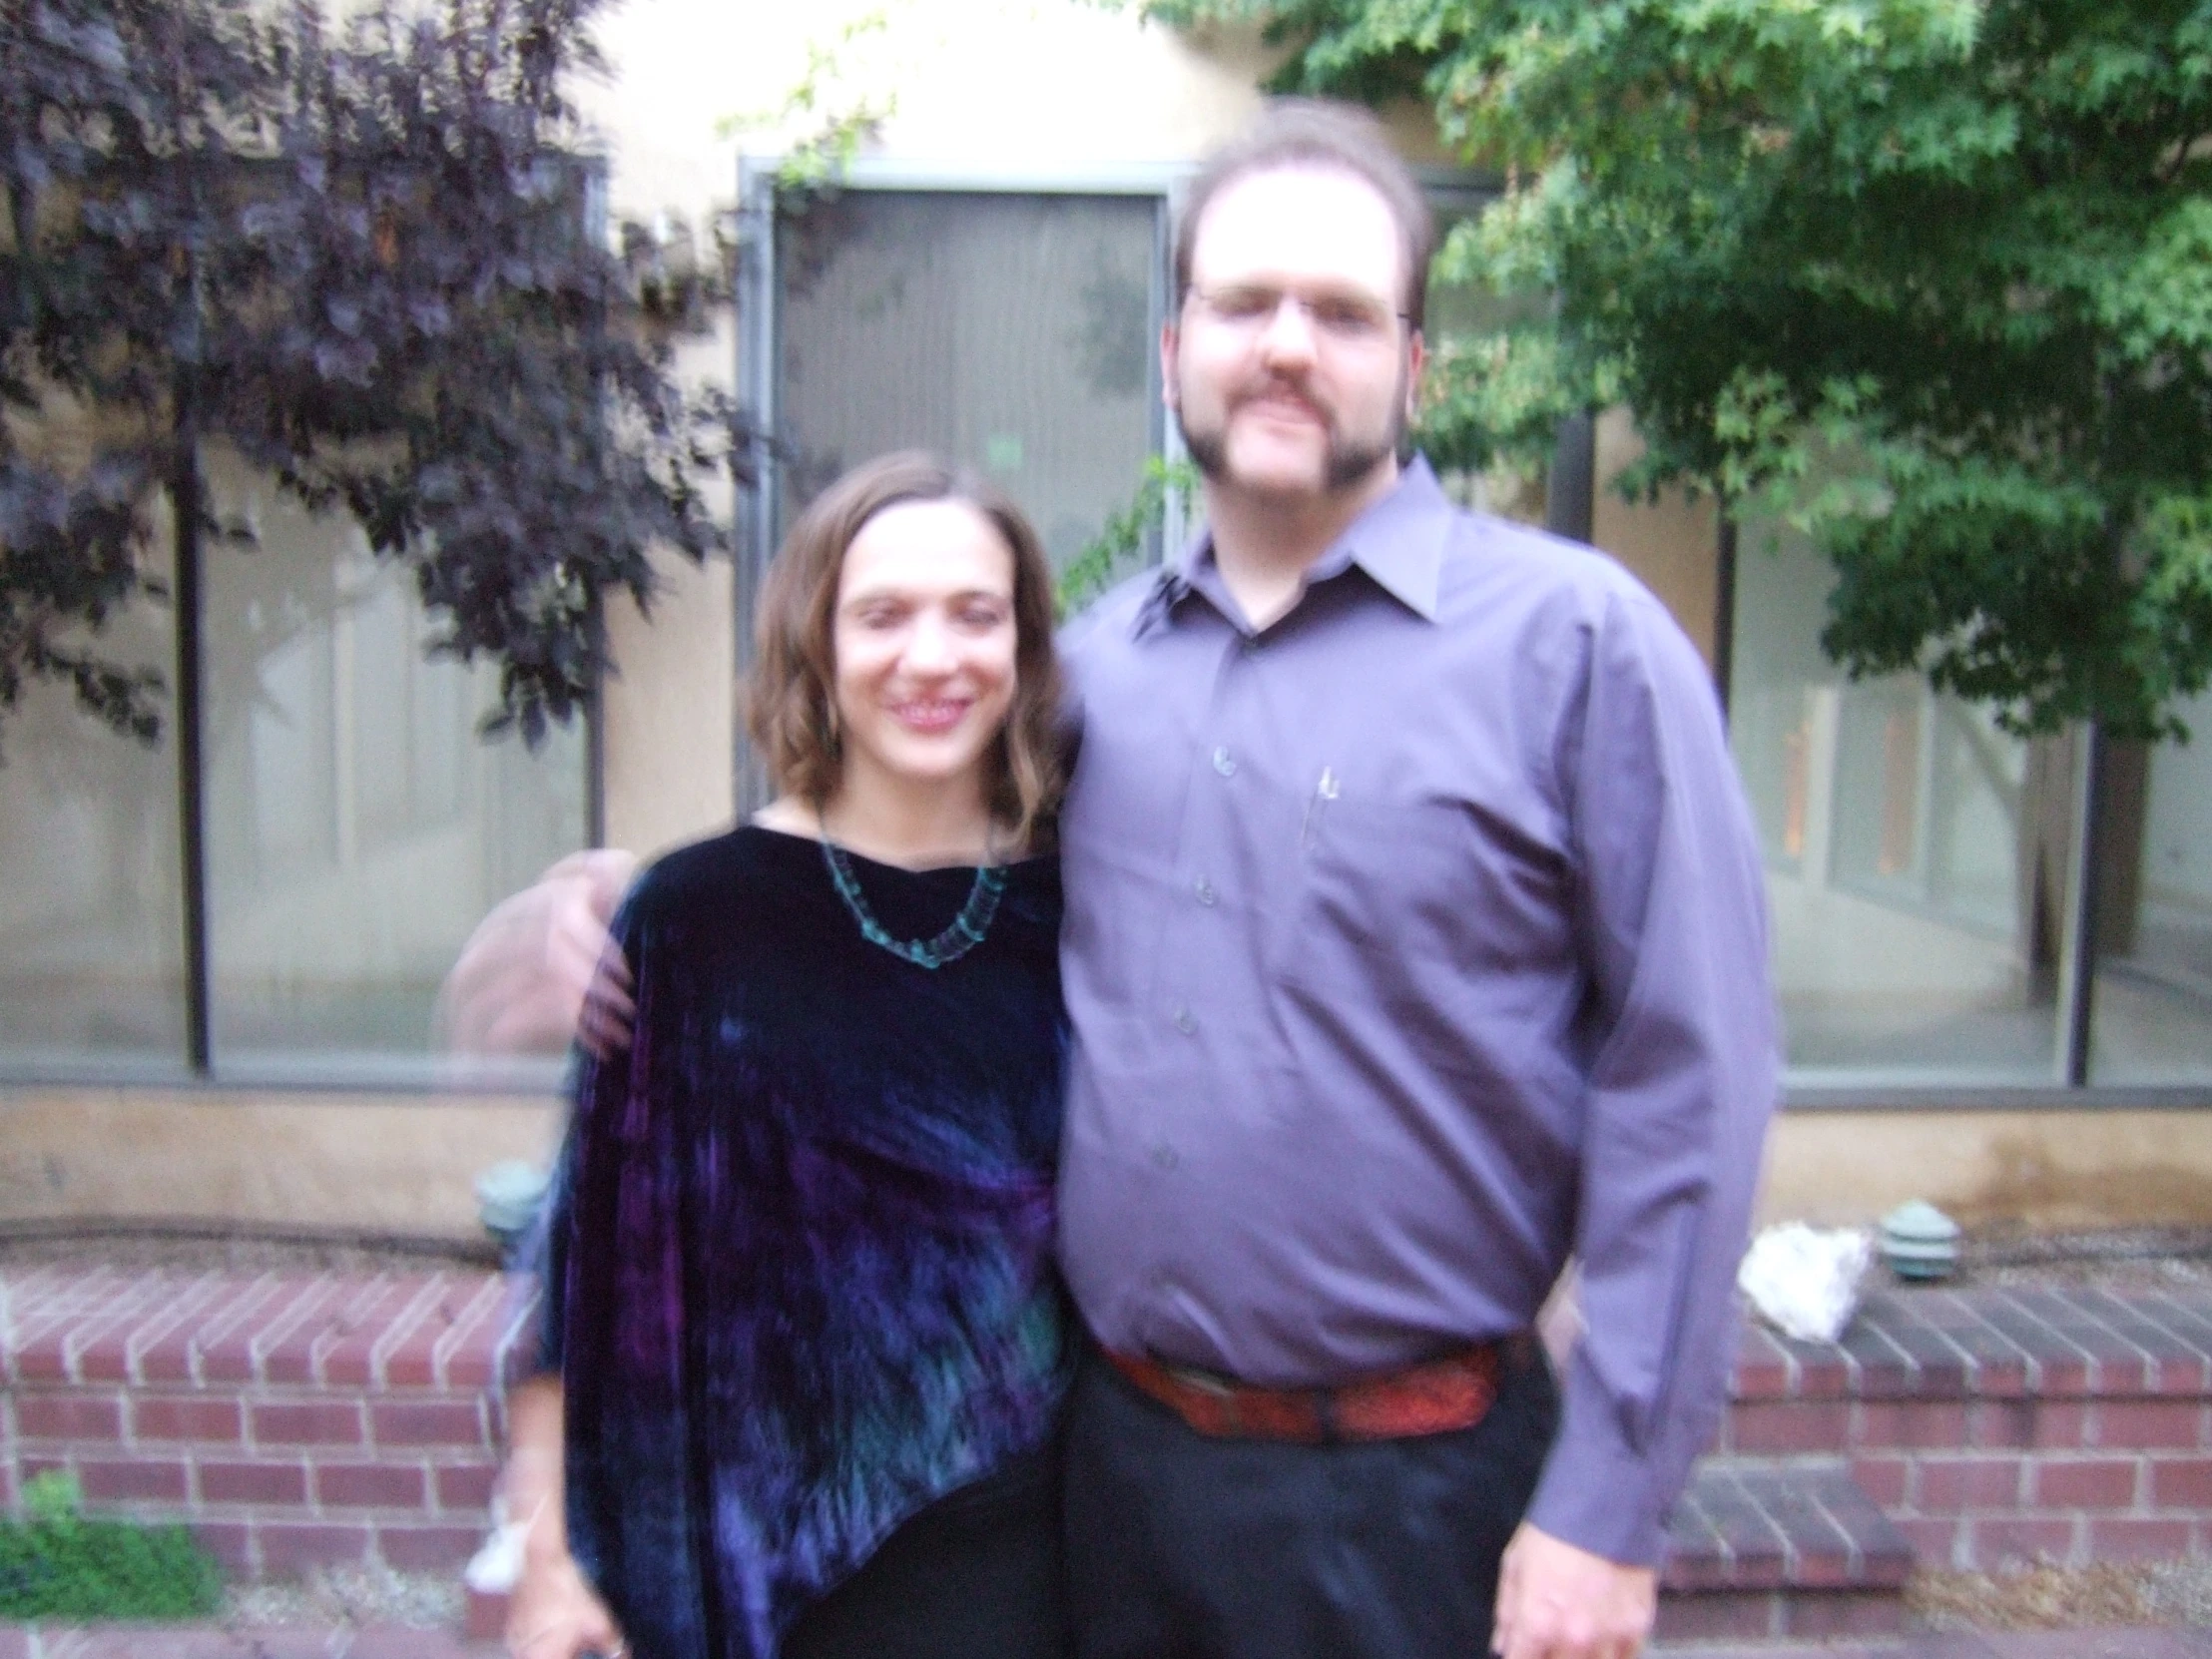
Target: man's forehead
1301, 221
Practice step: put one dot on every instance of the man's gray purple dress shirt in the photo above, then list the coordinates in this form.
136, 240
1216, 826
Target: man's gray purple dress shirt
1412, 946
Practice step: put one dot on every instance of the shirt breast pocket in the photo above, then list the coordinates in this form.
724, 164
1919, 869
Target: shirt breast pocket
1406, 890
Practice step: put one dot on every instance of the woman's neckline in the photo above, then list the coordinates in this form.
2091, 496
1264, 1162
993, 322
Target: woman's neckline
814, 842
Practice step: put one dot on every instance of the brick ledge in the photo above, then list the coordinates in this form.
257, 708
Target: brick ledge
297, 1419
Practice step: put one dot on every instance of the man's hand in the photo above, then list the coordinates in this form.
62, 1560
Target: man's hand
1555, 1601
541, 970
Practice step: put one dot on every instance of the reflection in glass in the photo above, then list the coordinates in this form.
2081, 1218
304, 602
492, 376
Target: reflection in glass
1917, 857
92, 979
2153, 1008
357, 828
1011, 333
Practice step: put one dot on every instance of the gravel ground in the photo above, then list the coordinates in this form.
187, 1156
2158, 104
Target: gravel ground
185, 1252
2064, 1598
2138, 1256
350, 1598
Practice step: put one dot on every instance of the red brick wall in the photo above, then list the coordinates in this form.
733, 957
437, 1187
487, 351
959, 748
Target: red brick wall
1999, 1427
291, 1420
296, 1420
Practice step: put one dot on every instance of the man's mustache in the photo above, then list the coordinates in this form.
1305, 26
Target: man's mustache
1278, 387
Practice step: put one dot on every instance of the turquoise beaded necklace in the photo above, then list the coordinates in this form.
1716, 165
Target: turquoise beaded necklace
966, 933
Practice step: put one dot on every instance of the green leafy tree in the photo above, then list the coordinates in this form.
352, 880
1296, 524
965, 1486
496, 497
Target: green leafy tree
1930, 277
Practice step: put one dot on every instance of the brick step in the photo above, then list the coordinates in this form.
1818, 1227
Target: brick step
2001, 1426
293, 1420
1764, 1548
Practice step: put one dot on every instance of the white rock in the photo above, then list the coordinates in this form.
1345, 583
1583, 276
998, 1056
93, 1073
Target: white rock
1805, 1280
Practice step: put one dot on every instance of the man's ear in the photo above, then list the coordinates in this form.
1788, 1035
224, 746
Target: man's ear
1168, 341
1416, 359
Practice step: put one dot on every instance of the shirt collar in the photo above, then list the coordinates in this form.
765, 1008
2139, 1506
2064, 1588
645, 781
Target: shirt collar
1398, 541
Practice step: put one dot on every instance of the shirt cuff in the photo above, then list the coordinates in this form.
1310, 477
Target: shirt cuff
1598, 1495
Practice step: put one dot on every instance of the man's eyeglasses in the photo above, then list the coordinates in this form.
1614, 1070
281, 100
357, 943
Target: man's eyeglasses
1342, 317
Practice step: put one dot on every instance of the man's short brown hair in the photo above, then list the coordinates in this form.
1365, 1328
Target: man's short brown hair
1314, 131
789, 707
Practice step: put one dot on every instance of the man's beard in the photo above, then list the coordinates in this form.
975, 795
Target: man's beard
1348, 462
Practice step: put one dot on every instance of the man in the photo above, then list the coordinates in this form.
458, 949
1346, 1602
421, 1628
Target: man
1414, 942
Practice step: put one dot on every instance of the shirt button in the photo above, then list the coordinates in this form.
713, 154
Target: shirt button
1225, 763
1250, 645
1184, 1021
1203, 889
1163, 1156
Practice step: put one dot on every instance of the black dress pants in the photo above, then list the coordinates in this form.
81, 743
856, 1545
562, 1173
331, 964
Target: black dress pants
976, 1575
1183, 1547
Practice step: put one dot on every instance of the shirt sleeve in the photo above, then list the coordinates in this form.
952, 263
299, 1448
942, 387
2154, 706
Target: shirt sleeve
1672, 913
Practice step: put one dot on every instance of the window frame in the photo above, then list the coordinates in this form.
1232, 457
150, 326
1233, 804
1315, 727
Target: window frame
195, 1066
759, 345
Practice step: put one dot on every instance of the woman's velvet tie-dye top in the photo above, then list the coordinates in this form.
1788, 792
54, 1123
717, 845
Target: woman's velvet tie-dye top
798, 1268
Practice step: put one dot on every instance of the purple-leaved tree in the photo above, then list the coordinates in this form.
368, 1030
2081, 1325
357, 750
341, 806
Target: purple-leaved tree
366, 259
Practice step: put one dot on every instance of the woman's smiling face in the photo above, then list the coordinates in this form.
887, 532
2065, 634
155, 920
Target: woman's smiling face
924, 637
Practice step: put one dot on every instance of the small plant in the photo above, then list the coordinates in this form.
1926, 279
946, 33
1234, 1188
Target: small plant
57, 1564
1121, 544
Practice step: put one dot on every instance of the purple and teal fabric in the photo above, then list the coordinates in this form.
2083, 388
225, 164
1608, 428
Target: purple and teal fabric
798, 1276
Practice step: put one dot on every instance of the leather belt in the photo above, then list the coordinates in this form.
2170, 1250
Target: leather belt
1434, 1397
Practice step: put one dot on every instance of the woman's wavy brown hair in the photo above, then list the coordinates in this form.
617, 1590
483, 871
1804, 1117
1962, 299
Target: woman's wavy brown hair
788, 705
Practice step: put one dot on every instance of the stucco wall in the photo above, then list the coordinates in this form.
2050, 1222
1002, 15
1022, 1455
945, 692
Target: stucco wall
378, 1164
1027, 83
2042, 1168
318, 1162
669, 710
1671, 544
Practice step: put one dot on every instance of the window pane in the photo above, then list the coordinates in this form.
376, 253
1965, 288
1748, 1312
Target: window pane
356, 827
1916, 856
1012, 333
2154, 1009
92, 979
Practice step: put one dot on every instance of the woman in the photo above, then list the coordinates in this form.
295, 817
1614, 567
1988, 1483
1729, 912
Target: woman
803, 1343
